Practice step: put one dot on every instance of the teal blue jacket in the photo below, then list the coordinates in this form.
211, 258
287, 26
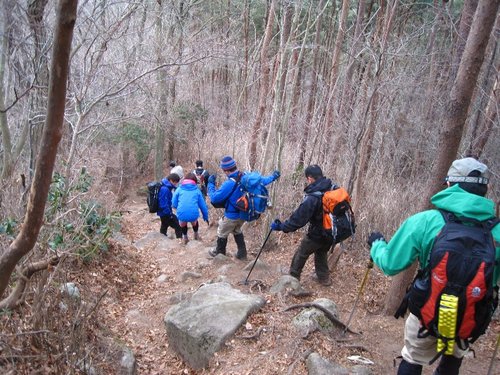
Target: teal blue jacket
415, 238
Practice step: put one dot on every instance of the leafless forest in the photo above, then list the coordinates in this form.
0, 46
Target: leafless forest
383, 94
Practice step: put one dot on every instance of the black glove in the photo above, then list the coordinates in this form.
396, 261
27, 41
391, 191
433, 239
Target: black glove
375, 236
276, 225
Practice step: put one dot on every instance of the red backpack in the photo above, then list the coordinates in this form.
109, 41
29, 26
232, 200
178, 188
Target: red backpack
461, 265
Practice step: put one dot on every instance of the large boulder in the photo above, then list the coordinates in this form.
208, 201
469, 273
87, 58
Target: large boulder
199, 326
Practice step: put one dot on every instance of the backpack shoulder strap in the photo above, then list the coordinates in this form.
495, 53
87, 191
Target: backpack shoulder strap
236, 184
491, 223
318, 194
448, 216
488, 224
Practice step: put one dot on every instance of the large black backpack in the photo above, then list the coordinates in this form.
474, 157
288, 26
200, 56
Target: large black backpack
153, 195
461, 265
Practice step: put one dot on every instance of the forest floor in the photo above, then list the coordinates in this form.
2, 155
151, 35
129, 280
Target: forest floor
139, 298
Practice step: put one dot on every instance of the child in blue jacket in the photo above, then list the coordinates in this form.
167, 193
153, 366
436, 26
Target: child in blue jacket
188, 201
167, 217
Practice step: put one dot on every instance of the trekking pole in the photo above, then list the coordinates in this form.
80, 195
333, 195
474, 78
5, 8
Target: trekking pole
365, 277
492, 362
257, 257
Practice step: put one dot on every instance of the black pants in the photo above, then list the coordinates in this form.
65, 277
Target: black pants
170, 221
195, 226
306, 248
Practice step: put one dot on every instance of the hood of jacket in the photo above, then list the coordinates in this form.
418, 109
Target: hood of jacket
464, 204
167, 183
188, 185
321, 184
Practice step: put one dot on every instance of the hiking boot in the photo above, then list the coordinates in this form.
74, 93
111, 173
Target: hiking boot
241, 254
197, 237
185, 239
220, 248
324, 282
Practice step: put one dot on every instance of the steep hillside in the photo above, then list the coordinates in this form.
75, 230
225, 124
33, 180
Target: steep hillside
151, 281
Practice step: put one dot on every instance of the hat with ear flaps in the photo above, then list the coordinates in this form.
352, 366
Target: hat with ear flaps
461, 169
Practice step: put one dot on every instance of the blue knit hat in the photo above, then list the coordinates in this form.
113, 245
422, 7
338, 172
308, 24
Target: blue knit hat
227, 163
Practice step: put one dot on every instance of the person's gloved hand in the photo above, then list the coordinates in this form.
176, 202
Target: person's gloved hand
211, 179
276, 174
276, 225
375, 236
208, 223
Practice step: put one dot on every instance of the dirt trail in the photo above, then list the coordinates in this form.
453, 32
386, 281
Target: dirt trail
151, 281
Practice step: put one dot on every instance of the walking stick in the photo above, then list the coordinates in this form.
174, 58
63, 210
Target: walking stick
368, 268
257, 257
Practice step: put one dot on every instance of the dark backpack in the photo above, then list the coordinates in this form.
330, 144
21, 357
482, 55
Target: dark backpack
460, 270
338, 217
153, 195
255, 198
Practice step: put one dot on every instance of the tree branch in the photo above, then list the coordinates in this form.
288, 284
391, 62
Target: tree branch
15, 297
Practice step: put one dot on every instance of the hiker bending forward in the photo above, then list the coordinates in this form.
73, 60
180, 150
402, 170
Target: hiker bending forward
317, 240
226, 196
465, 198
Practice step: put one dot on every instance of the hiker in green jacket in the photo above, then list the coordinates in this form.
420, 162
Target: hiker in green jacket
465, 198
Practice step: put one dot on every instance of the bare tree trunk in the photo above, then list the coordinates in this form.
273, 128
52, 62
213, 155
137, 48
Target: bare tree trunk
483, 128
313, 88
38, 103
26, 239
339, 41
346, 102
453, 123
483, 96
358, 171
274, 131
466, 18
7, 162
10, 150
163, 102
247, 49
264, 85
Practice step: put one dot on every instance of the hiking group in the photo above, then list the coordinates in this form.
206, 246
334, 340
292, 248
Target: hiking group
457, 244
180, 192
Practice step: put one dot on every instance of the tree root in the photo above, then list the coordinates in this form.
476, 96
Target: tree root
302, 357
256, 335
327, 313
